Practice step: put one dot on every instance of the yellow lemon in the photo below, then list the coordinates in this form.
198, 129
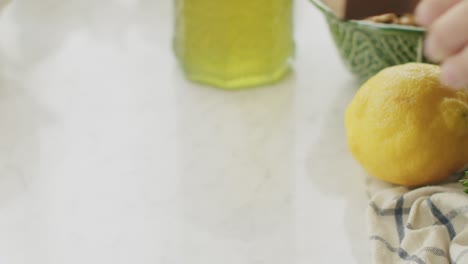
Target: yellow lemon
405, 127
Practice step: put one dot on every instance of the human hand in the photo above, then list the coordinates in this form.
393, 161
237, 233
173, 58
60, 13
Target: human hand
447, 38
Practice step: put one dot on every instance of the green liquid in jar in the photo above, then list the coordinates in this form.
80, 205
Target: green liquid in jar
234, 44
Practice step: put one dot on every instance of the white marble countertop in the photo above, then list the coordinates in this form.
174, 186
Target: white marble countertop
108, 156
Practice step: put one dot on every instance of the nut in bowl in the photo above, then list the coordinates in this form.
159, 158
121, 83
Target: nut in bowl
368, 46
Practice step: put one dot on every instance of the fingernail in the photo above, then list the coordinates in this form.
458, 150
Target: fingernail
432, 51
421, 16
451, 76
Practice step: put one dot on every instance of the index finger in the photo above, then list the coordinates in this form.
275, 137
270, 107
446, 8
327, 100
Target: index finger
429, 10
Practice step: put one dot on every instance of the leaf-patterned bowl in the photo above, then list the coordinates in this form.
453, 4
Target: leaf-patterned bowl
367, 47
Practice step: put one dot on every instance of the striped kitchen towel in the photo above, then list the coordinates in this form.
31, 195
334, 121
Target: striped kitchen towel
422, 225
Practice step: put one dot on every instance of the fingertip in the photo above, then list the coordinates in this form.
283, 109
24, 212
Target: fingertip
451, 76
432, 49
422, 15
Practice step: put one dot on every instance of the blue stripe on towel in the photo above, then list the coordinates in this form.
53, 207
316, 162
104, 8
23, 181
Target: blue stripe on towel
442, 218
399, 218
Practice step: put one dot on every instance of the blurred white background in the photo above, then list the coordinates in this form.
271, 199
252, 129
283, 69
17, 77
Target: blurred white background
108, 155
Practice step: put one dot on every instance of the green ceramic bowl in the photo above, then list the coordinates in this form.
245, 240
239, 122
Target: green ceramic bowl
367, 47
